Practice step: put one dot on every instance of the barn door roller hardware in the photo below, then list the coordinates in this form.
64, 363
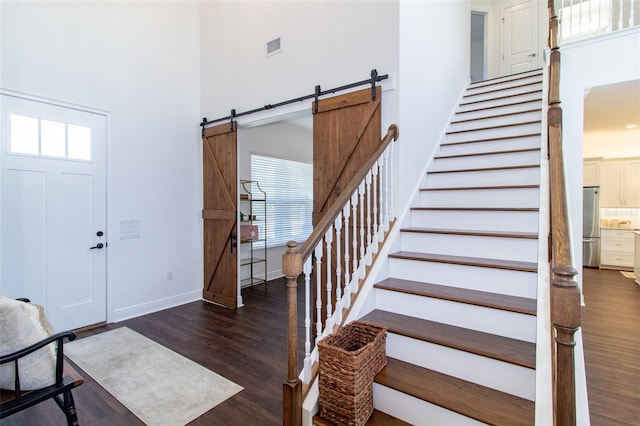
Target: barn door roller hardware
375, 77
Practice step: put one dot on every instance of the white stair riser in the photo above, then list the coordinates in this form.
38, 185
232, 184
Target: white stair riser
502, 93
491, 160
491, 146
493, 321
506, 79
507, 108
469, 105
495, 121
514, 283
517, 197
494, 374
499, 85
518, 249
520, 176
416, 411
490, 134
516, 221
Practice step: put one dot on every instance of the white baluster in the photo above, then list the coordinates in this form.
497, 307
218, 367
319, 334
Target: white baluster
381, 198
376, 199
318, 253
306, 270
392, 211
620, 19
361, 206
346, 211
387, 153
328, 236
369, 214
354, 209
338, 307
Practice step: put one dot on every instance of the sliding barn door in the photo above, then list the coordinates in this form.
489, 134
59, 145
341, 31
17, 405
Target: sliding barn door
346, 132
220, 189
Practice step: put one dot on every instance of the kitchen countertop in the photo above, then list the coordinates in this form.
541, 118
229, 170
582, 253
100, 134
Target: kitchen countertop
620, 229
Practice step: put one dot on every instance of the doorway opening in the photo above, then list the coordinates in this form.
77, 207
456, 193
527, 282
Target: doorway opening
478, 46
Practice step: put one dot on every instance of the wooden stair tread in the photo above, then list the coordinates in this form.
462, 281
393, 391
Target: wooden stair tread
478, 209
492, 139
517, 76
517, 352
513, 265
489, 117
469, 399
378, 418
481, 188
499, 106
497, 98
500, 126
474, 233
487, 169
503, 302
479, 154
502, 89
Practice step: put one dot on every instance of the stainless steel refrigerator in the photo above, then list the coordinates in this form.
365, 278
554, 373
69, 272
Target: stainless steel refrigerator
591, 226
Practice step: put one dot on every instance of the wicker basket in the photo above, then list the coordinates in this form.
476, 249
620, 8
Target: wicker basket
349, 360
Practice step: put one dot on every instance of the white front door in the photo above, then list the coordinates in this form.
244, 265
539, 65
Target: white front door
520, 37
53, 209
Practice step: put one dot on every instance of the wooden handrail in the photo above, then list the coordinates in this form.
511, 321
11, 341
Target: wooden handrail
565, 293
319, 230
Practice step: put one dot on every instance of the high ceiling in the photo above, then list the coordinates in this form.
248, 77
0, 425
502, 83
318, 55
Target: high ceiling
612, 107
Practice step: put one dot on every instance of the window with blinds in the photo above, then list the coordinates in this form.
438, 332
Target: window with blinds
289, 188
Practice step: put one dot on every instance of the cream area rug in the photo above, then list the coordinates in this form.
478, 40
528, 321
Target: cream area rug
156, 384
628, 274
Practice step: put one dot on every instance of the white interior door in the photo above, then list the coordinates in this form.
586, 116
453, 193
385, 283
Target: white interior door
53, 210
520, 37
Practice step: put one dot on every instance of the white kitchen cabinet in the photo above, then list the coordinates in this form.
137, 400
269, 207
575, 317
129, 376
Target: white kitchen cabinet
631, 183
616, 249
590, 175
619, 183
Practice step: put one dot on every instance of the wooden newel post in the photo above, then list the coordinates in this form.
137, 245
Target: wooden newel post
566, 318
292, 388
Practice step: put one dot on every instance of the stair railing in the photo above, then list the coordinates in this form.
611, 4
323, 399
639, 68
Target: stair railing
349, 234
565, 293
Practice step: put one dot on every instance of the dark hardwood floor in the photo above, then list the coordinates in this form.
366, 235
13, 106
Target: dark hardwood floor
247, 346
611, 335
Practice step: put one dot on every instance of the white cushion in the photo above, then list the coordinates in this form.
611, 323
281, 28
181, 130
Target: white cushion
22, 326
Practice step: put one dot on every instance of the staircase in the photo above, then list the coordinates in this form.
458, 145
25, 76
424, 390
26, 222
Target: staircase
459, 295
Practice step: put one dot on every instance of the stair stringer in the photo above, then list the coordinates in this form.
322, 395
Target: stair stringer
544, 369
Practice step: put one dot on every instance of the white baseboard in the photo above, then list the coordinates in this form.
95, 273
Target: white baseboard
133, 311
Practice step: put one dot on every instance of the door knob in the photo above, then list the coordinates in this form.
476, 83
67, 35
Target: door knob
533, 55
97, 246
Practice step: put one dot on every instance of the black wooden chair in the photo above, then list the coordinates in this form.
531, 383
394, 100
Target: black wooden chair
66, 378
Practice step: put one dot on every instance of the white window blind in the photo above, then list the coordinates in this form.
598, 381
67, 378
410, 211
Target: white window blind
289, 188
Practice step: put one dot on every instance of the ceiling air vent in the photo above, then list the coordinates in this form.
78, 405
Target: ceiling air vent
273, 46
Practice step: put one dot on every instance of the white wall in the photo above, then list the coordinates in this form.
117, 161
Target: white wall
605, 60
140, 62
325, 43
434, 69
